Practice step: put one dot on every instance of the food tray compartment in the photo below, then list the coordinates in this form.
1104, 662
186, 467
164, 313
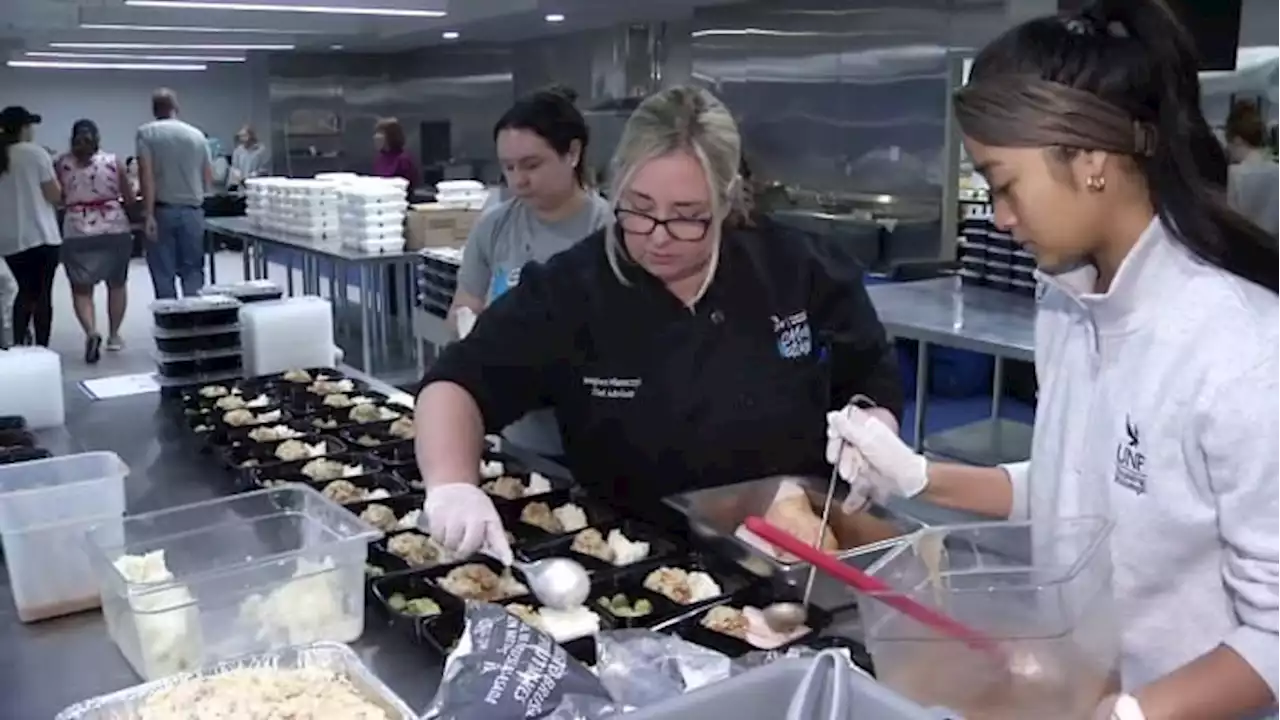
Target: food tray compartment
401, 505
444, 631
226, 340
384, 545
757, 596
235, 562
386, 562
659, 546
339, 419
606, 587
415, 585
223, 438
730, 579
215, 421
510, 511
309, 402
192, 397
331, 656
410, 475
222, 361
172, 389
437, 573
262, 455
206, 311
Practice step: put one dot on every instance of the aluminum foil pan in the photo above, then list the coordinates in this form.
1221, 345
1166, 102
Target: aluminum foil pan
334, 657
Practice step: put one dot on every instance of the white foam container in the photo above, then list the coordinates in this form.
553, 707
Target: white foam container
46, 506
31, 386
281, 334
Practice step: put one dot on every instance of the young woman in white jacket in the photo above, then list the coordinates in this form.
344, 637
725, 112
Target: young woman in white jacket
1156, 352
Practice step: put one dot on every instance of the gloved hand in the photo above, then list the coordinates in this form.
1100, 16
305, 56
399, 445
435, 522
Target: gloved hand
462, 518
871, 457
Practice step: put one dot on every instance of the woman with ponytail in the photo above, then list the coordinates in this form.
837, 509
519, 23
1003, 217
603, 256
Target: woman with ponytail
1156, 352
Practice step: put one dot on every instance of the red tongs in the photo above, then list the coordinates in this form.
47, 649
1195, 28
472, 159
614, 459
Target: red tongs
877, 589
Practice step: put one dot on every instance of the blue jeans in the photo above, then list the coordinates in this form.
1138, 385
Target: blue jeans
177, 251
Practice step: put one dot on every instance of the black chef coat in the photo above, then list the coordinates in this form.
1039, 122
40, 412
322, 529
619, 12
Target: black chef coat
654, 398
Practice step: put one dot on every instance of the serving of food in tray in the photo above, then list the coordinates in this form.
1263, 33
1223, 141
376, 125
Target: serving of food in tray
737, 626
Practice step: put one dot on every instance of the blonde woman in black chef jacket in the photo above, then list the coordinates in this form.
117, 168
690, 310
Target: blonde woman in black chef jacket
682, 346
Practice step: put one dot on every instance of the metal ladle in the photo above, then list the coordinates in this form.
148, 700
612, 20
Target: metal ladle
786, 617
558, 583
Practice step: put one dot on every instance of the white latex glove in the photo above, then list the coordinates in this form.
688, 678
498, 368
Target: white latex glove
871, 457
1121, 707
462, 518
466, 319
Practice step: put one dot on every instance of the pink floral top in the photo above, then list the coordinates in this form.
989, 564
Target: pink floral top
92, 195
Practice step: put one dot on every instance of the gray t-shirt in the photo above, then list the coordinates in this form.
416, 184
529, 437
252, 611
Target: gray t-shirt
505, 239
250, 162
178, 154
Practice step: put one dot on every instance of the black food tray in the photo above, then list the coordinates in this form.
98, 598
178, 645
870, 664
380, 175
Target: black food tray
560, 546
510, 511
416, 585
731, 579
223, 438
263, 454
758, 596
200, 366
443, 632
278, 378
437, 573
383, 546
664, 610
401, 505
311, 402
199, 343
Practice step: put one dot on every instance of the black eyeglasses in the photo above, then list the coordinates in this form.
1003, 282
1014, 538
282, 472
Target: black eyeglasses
685, 229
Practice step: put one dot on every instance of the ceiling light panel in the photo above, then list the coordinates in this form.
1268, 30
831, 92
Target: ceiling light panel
197, 29
163, 46
132, 56
554, 18
70, 65
384, 8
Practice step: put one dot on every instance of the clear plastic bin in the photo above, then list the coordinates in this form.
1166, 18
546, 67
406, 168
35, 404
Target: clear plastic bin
766, 693
1043, 595
249, 573
45, 508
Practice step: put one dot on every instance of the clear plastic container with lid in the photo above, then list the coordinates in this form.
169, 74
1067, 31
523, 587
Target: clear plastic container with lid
1044, 596
254, 572
46, 506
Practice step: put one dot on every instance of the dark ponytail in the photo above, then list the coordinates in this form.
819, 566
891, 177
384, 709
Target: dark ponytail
1126, 70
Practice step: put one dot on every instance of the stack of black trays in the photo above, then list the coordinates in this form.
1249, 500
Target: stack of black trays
437, 277
197, 341
249, 291
17, 444
988, 256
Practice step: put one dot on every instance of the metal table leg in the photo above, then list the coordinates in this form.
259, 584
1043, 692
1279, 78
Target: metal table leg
211, 246
288, 276
922, 394
997, 387
246, 251
366, 318
386, 301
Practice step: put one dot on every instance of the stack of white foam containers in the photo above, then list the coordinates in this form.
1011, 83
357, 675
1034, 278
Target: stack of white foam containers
461, 194
371, 213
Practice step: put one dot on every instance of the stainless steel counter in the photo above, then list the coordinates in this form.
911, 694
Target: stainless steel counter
941, 312
46, 666
382, 316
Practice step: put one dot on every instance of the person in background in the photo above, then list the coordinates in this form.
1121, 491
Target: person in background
249, 159
29, 236
1253, 182
131, 171
1156, 351
174, 171
97, 242
541, 142
393, 160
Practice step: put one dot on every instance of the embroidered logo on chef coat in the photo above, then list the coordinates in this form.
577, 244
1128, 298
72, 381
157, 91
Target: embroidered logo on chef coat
1131, 463
612, 388
795, 340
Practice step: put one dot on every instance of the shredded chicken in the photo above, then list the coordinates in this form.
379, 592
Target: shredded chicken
344, 492
726, 620
274, 433
402, 428
381, 517
682, 586
416, 549
297, 376
592, 543
539, 515
290, 450
322, 469
324, 386
474, 581
214, 391
263, 694
505, 487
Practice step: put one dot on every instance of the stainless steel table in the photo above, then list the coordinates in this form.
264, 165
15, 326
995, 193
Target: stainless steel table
48, 665
375, 319
941, 312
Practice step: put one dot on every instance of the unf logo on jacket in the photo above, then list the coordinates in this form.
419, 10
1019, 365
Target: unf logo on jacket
795, 340
1131, 470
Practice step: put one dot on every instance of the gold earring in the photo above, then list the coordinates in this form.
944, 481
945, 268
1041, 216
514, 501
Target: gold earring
1096, 183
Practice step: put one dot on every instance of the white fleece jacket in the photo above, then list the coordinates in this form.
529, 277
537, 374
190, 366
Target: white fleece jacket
1159, 407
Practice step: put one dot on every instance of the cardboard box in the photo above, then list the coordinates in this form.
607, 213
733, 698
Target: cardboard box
431, 225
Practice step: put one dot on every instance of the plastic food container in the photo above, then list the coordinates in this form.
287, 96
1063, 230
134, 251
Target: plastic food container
45, 508
250, 573
202, 311
1044, 596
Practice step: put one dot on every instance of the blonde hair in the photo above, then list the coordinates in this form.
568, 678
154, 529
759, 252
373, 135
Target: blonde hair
691, 120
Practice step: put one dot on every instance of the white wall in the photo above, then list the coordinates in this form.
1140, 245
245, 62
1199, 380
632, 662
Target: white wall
218, 100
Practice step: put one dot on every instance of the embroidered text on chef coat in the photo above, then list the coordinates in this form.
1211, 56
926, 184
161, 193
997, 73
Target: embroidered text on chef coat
795, 340
613, 388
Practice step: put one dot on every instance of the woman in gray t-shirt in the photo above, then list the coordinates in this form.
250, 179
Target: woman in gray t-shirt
541, 143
